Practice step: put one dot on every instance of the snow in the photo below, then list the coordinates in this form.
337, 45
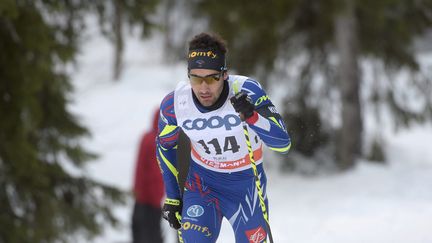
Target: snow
372, 203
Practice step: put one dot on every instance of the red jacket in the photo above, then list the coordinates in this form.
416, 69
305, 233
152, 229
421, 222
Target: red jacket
148, 185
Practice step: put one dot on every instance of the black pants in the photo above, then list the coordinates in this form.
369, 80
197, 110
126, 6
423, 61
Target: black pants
146, 227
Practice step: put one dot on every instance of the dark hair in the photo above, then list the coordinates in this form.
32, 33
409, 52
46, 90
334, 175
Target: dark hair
208, 41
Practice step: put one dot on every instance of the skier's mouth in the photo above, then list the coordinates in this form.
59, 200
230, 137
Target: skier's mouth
205, 97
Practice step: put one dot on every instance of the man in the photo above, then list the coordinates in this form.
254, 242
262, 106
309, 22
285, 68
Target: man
148, 191
211, 109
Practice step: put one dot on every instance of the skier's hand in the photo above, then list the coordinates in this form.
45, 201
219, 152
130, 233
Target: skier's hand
171, 211
243, 105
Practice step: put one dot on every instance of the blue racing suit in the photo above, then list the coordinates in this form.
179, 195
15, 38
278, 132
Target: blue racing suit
220, 182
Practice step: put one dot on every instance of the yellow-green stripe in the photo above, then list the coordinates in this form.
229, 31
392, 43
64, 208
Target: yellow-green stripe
170, 166
167, 129
281, 150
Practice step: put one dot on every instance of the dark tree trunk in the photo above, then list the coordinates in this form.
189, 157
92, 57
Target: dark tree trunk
118, 39
350, 139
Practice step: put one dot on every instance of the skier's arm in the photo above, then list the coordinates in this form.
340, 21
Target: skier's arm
166, 146
266, 121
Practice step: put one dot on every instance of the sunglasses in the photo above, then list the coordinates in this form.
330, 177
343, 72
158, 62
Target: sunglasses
209, 79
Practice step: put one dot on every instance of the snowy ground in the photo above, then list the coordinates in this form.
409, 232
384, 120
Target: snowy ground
372, 203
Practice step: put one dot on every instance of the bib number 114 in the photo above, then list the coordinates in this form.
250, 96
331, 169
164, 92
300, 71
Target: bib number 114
230, 144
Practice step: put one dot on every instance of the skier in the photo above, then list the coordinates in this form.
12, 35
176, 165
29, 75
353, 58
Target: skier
227, 119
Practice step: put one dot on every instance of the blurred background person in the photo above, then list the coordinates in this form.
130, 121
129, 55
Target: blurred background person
148, 190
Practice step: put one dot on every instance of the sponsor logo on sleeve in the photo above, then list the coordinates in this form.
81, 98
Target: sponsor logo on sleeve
195, 211
261, 99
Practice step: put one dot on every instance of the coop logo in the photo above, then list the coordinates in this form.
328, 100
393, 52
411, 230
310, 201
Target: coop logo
228, 121
256, 235
195, 211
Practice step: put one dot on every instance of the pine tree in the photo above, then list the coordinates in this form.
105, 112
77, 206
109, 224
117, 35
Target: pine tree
116, 15
40, 200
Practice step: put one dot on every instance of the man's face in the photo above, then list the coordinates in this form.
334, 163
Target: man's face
207, 85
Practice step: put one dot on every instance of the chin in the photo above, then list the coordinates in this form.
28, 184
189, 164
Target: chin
207, 103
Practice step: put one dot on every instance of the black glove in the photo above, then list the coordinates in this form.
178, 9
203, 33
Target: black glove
243, 105
171, 211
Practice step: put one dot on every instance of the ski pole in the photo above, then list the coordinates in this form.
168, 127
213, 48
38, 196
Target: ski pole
257, 181
255, 172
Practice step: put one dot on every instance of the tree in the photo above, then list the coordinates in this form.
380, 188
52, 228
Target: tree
349, 146
41, 200
114, 14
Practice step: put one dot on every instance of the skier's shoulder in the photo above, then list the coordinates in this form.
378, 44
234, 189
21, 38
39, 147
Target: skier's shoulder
167, 114
182, 86
167, 107
245, 82
250, 86
168, 100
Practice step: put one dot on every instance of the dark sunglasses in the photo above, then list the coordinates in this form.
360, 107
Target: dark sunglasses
209, 79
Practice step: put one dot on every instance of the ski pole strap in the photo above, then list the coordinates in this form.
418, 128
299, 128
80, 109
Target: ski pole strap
178, 216
170, 201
